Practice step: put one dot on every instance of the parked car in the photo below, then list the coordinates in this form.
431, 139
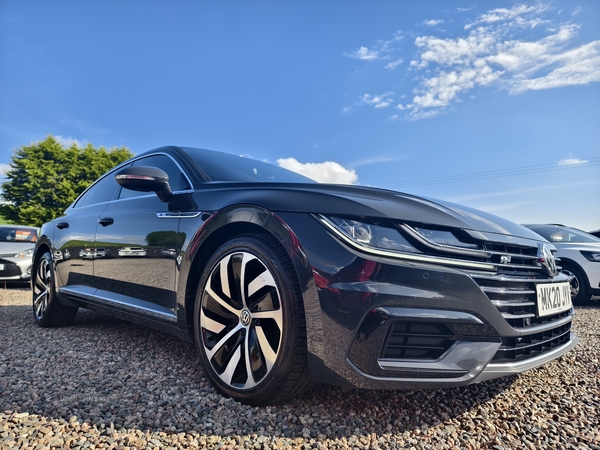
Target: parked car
17, 243
281, 281
132, 251
579, 254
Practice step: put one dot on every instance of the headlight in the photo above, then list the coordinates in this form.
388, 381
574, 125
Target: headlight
592, 256
372, 235
25, 254
443, 238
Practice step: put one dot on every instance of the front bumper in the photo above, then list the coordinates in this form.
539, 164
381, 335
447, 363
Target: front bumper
380, 323
15, 269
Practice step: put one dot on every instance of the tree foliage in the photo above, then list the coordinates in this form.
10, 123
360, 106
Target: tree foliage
45, 178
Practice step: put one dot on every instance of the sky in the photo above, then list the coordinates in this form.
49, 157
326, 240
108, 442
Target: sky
495, 105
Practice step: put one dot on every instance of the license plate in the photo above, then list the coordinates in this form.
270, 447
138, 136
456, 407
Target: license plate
553, 298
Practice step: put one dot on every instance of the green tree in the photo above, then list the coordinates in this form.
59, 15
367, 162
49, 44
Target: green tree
45, 178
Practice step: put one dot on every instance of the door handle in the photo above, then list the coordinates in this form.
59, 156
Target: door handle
61, 225
105, 221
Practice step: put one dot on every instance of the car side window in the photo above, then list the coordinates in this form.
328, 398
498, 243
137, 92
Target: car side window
177, 179
100, 192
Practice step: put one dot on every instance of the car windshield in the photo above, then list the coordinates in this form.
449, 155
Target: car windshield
17, 234
564, 234
227, 167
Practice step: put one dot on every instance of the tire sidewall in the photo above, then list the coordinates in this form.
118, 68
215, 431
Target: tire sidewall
289, 337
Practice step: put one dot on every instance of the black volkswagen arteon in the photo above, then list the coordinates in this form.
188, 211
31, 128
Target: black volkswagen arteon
282, 282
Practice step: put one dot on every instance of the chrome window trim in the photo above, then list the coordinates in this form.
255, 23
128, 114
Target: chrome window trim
399, 255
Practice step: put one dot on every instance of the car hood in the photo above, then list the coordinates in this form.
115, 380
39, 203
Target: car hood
360, 201
14, 247
585, 246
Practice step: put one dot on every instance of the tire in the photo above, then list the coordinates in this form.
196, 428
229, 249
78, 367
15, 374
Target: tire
249, 322
580, 294
47, 310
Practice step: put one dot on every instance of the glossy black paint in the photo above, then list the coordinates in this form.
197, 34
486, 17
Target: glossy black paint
141, 258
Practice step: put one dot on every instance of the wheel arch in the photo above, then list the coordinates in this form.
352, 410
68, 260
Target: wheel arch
234, 221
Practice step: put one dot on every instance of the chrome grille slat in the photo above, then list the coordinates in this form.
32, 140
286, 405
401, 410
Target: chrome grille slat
506, 303
496, 290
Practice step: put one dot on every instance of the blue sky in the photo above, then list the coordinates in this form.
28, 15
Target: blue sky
494, 104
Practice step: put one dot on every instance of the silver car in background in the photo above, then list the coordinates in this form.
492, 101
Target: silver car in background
16, 252
579, 254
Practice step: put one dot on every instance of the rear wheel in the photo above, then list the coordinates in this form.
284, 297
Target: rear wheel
249, 322
47, 309
580, 294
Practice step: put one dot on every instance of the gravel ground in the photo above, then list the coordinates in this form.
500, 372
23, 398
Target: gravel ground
105, 383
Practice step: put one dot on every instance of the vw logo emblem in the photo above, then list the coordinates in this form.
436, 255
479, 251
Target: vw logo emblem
245, 317
547, 259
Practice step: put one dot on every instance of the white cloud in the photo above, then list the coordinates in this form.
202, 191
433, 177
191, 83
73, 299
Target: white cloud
392, 65
69, 141
364, 53
432, 22
572, 161
504, 14
378, 101
324, 172
494, 54
346, 110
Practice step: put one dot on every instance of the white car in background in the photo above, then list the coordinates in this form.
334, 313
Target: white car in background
579, 254
16, 251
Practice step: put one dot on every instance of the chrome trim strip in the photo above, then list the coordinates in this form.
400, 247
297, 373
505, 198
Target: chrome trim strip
497, 290
405, 256
178, 215
512, 303
518, 316
121, 302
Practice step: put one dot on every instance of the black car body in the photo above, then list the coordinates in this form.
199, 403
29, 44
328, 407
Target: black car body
281, 281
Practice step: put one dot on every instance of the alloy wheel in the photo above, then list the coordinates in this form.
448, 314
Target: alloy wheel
241, 320
41, 288
574, 283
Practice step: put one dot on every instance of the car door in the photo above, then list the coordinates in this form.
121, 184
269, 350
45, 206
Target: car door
74, 235
139, 237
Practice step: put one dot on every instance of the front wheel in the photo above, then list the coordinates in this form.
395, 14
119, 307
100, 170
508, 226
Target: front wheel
47, 309
249, 322
580, 294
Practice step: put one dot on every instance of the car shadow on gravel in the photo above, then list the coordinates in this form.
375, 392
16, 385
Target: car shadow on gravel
111, 373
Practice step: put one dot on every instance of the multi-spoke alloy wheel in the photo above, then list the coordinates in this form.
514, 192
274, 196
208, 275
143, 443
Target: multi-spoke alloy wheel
47, 309
249, 327
41, 288
241, 320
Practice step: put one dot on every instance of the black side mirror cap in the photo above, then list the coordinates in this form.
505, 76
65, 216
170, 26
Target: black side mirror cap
145, 179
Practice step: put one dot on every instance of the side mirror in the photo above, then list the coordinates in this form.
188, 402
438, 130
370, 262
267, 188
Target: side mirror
145, 179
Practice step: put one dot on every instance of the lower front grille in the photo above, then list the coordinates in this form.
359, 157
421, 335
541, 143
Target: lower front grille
417, 340
10, 270
520, 348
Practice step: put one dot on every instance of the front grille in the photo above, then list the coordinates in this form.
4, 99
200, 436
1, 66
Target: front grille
516, 299
417, 340
520, 348
10, 269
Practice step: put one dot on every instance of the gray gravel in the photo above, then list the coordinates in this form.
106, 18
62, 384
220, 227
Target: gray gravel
105, 383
